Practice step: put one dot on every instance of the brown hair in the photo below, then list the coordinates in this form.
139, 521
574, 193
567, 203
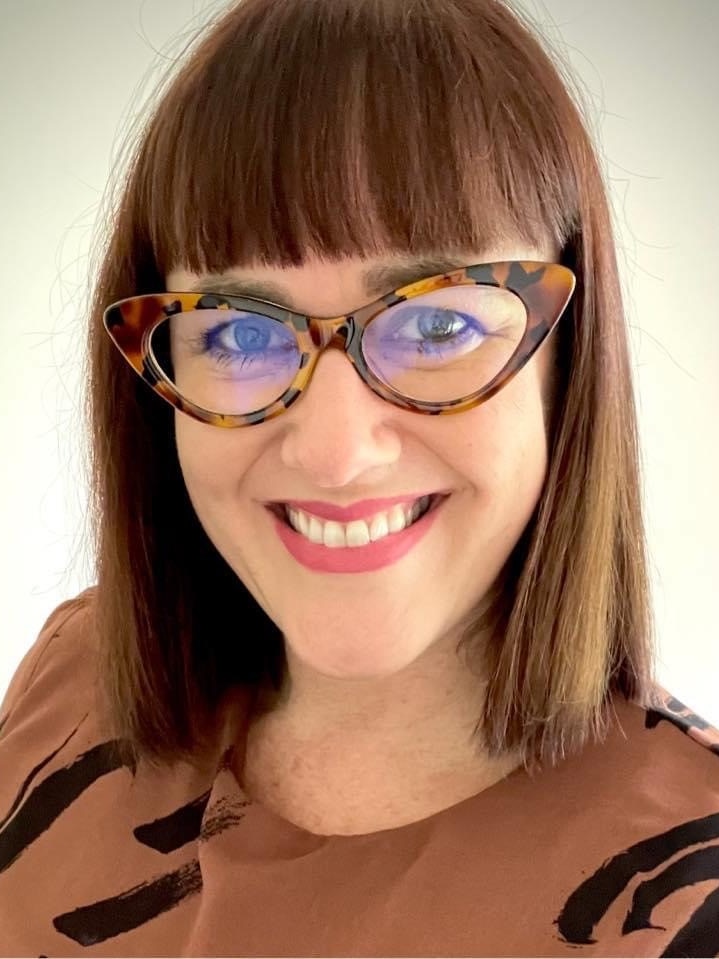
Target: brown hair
355, 127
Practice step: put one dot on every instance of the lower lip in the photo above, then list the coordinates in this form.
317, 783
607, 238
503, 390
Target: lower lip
354, 559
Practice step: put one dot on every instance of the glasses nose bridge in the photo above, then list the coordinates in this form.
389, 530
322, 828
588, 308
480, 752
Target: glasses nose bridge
331, 333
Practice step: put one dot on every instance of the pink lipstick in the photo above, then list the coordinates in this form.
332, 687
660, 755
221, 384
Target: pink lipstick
356, 559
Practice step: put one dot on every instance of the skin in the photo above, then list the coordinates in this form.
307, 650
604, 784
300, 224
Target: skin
380, 708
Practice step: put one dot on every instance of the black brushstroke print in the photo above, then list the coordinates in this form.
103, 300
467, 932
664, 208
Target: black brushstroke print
173, 831
102, 920
37, 769
51, 798
588, 904
97, 921
697, 866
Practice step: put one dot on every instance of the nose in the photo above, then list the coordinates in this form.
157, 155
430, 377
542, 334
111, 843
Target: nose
339, 433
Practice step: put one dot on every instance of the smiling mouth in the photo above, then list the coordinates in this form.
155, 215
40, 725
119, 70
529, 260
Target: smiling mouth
356, 547
435, 499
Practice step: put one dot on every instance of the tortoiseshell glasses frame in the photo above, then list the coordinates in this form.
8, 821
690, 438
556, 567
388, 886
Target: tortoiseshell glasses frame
545, 289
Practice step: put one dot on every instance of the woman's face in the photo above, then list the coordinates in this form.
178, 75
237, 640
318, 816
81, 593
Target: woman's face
340, 444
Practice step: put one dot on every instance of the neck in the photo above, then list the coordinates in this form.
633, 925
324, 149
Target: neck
422, 717
354, 756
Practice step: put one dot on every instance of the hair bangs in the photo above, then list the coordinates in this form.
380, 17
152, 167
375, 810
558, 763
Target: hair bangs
335, 128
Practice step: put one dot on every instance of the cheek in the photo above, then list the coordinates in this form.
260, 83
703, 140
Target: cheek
502, 445
208, 462
526, 423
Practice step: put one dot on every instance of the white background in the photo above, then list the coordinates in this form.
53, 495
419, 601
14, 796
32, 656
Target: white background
74, 74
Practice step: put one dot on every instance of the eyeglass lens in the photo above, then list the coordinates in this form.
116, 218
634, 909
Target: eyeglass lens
435, 347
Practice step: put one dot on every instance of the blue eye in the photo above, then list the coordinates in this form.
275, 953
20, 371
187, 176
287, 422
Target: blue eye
432, 331
244, 336
249, 340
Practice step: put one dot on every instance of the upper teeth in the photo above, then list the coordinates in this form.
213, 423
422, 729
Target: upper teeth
359, 532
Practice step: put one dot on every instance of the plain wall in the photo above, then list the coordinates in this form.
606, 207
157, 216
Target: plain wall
73, 74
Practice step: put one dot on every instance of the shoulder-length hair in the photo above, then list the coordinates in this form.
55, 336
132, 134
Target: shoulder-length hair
357, 127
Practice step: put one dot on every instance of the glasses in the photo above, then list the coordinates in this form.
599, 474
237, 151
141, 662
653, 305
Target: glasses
440, 345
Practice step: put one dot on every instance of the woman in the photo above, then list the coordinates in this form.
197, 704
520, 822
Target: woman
368, 666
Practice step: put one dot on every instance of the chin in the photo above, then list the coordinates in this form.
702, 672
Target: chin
335, 652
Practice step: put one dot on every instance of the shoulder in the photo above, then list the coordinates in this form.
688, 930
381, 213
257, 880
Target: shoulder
664, 722
638, 817
666, 750
669, 728
672, 711
58, 665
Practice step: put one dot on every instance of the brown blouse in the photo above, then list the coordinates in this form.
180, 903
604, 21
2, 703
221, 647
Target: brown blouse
614, 852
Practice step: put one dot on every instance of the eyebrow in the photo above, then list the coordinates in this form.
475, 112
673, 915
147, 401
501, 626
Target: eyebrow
378, 279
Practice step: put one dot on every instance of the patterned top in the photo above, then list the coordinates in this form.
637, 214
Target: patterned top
613, 852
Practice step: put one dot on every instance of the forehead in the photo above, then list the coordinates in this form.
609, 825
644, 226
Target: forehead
363, 278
